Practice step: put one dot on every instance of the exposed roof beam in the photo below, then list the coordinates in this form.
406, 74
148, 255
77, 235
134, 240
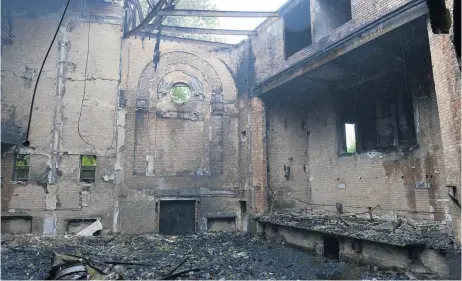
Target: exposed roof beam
184, 40
193, 30
147, 19
207, 13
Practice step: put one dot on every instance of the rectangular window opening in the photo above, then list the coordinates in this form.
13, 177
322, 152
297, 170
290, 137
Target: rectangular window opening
368, 123
21, 167
87, 168
350, 136
330, 15
297, 28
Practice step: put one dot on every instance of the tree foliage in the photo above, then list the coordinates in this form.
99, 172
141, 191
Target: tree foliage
199, 22
22, 160
181, 93
88, 161
351, 148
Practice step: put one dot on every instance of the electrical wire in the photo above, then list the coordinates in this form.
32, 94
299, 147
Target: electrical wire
85, 85
26, 143
85, 91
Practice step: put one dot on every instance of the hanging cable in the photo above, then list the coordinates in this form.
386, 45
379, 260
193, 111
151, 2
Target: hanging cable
85, 85
26, 143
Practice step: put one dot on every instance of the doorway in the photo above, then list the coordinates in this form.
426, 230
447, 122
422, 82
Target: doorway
177, 217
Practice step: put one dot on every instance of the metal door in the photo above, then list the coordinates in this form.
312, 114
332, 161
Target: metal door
177, 217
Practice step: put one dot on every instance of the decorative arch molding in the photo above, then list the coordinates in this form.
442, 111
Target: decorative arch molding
165, 85
163, 128
188, 63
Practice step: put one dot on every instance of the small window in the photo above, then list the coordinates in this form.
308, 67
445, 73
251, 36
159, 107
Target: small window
181, 93
297, 28
367, 122
350, 136
21, 167
87, 168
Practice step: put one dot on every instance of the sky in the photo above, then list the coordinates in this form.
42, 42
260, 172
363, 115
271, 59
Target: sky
350, 135
244, 23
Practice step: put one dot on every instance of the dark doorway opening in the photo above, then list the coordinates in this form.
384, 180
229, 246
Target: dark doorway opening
331, 247
177, 217
16, 224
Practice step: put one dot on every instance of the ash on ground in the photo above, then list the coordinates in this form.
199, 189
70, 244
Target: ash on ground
221, 255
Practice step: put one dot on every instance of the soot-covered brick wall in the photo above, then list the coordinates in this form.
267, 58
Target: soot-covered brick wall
73, 112
178, 150
268, 47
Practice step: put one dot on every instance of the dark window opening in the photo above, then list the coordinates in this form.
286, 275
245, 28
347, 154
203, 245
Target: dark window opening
243, 135
440, 17
21, 167
368, 123
87, 168
243, 206
331, 247
330, 15
457, 31
221, 224
356, 245
16, 224
297, 28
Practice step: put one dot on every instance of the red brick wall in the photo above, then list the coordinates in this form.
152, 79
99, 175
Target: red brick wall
269, 45
258, 156
447, 80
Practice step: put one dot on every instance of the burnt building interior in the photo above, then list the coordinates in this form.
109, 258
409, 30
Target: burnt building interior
333, 126
375, 90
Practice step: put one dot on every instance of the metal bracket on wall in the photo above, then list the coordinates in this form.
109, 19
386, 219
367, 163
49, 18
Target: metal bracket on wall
453, 195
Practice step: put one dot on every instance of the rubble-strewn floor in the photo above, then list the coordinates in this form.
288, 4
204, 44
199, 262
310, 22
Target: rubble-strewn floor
221, 255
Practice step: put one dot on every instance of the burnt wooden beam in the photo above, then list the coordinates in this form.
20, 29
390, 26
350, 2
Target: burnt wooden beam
207, 13
184, 40
194, 30
147, 19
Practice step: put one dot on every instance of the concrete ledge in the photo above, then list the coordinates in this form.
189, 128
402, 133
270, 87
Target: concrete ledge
416, 258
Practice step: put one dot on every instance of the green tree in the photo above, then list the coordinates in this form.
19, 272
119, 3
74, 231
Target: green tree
88, 161
352, 148
199, 22
181, 93
22, 160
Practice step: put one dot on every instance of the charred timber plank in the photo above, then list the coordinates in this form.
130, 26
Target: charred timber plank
206, 13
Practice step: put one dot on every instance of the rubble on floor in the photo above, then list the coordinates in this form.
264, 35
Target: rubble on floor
219, 256
400, 232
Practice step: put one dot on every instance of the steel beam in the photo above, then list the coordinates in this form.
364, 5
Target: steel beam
185, 40
147, 19
207, 13
193, 30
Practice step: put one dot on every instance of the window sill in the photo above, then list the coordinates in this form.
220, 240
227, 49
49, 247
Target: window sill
82, 183
381, 152
19, 182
